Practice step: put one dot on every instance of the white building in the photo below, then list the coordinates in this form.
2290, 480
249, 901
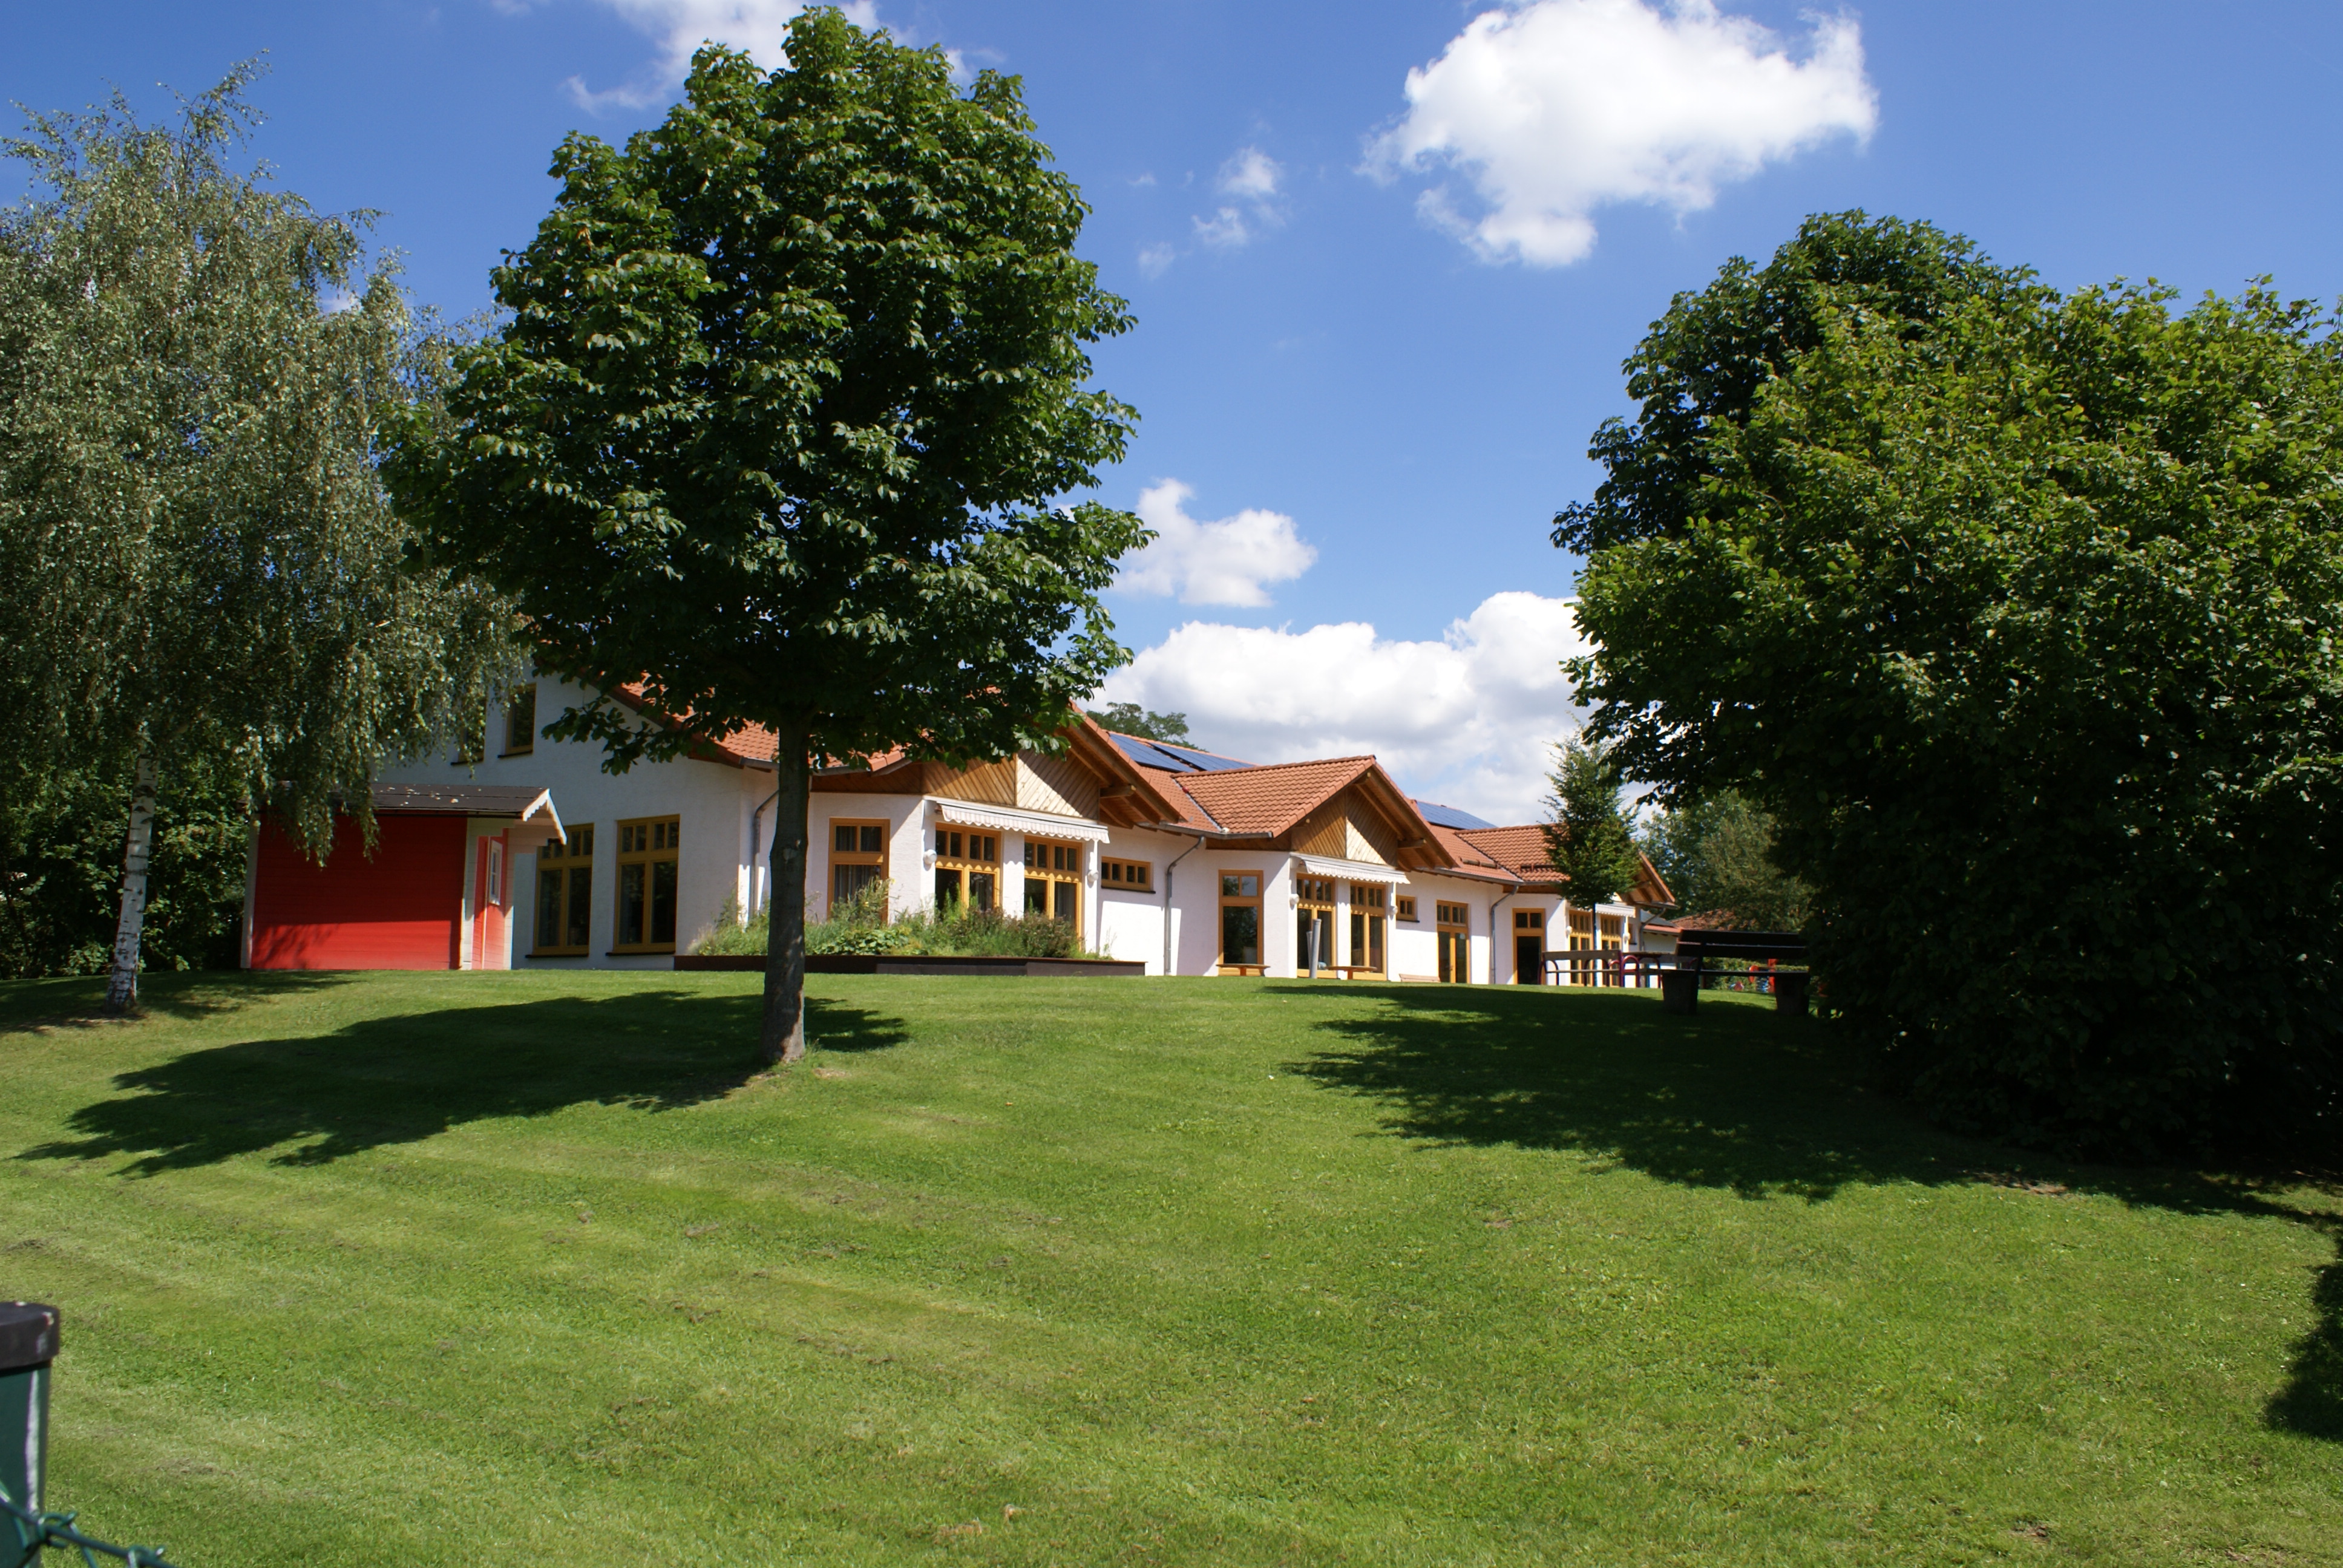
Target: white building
1189, 862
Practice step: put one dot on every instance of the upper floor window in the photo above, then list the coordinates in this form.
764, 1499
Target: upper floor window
1129, 874
520, 721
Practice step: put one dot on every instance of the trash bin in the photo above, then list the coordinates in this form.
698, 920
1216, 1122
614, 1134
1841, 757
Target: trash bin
1679, 991
28, 1343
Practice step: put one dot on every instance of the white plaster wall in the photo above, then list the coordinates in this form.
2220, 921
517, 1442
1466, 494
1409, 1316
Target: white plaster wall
711, 799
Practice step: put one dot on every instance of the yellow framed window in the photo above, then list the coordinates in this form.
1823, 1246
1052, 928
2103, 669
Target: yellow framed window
1581, 941
565, 896
1241, 922
1452, 931
1404, 909
967, 869
520, 721
1053, 880
648, 853
858, 858
1130, 876
1313, 919
1611, 936
1529, 947
1367, 922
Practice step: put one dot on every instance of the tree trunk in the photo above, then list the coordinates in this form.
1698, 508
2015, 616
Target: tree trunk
122, 990
784, 1031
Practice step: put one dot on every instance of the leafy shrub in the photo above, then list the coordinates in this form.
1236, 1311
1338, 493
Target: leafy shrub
862, 928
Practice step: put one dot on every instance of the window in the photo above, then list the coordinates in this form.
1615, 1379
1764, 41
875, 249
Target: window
1529, 947
1406, 909
496, 874
1456, 942
1053, 880
1313, 922
1129, 875
1241, 922
647, 885
565, 895
1581, 941
967, 869
857, 859
520, 721
1366, 928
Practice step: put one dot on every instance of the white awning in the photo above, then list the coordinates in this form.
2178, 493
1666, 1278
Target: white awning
1350, 871
1010, 820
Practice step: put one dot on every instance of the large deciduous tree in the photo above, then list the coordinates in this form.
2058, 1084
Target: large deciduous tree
2018, 612
201, 580
779, 424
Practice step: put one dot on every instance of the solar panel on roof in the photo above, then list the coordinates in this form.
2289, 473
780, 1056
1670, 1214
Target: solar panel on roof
1449, 816
1200, 761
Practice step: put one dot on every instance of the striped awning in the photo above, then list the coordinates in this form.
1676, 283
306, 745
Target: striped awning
1010, 820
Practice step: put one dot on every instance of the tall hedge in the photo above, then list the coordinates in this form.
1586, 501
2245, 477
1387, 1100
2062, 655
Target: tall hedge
2018, 611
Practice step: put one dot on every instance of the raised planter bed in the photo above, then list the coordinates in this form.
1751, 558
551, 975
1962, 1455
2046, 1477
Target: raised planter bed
922, 964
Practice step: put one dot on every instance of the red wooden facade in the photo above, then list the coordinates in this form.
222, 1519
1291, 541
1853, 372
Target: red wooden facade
401, 909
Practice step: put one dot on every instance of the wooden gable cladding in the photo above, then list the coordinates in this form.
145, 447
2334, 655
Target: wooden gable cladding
1344, 829
1030, 781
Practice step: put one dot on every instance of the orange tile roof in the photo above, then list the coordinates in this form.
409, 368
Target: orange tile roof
1269, 801
1169, 785
1521, 850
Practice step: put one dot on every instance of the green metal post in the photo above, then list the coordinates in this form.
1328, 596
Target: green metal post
28, 1343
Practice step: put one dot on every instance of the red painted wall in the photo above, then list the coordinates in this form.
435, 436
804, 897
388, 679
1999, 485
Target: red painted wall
402, 910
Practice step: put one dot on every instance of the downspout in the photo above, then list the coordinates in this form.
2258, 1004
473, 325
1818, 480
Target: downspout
1174, 866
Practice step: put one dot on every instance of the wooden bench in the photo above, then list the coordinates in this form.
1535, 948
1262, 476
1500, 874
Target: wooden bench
1680, 986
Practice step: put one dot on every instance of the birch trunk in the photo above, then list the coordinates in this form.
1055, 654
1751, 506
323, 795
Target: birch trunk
122, 990
784, 1029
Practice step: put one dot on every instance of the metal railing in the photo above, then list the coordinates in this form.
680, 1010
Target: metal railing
28, 1344
35, 1532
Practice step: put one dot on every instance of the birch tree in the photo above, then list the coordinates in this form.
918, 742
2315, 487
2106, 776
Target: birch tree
198, 560
781, 424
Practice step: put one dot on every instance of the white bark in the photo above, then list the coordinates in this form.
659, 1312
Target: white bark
122, 990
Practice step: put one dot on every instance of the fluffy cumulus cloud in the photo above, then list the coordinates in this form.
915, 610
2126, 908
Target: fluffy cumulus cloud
1229, 560
1551, 108
1469, 719
679, 27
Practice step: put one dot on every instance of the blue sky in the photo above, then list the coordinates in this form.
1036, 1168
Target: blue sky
1374, 330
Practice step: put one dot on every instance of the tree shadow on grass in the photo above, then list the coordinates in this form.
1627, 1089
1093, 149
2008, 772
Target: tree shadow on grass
402, 1078
1739, 1098
1735, 1097
77, 1001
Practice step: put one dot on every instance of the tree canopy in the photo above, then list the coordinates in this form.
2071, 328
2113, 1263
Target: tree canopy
1717, 855
201, 581
779, 426
1590, 836
2017, 611
1130, 719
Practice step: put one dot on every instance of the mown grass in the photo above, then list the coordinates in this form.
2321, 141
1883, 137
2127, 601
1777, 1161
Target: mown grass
464, 1269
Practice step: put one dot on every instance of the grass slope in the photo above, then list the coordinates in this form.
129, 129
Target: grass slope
460, 1268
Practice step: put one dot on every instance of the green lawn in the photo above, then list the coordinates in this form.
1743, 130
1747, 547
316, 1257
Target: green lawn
491, 1269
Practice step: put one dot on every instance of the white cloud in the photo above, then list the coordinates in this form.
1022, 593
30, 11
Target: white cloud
1226, 228
762, 27
1252, 175
1469, 720
1228, 561
1556, 107
1154, 260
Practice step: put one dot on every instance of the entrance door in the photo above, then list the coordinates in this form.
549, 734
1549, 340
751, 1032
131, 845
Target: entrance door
1455, 945
1313, 924
1529, 947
